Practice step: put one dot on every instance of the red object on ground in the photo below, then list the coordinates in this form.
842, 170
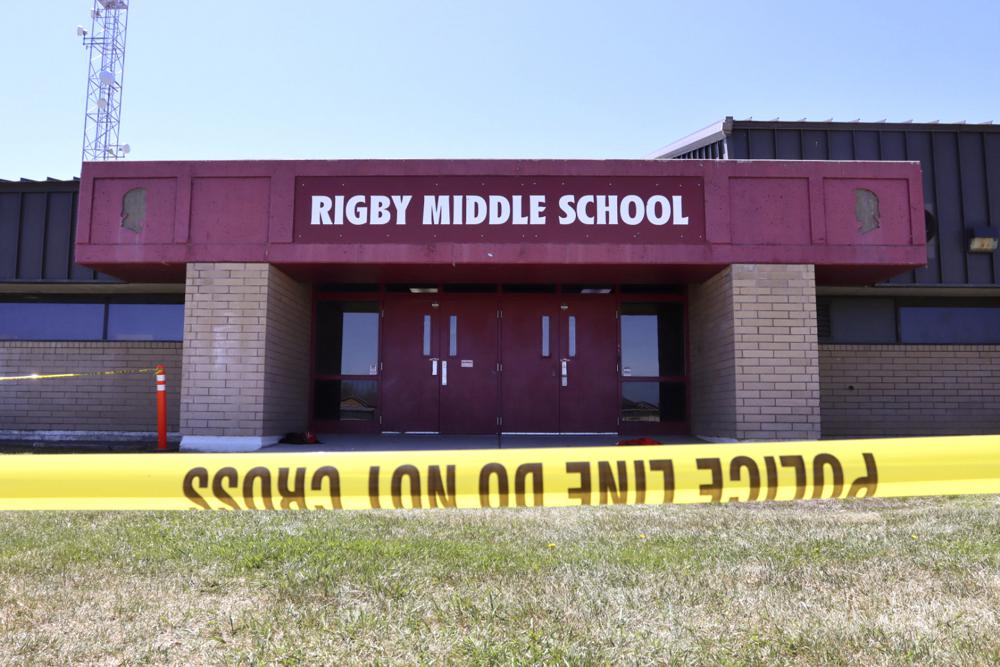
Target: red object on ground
639, 441
307, 438
161, 407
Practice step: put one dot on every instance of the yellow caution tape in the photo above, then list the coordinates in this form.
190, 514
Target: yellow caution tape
504, 477
47, 376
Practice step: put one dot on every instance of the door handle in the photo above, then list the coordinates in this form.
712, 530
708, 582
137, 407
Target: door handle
565, 372
434, 366
444, 373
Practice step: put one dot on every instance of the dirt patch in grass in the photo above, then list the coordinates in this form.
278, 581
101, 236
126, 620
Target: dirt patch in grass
832, 582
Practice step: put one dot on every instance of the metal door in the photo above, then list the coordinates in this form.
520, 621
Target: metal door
529, 352
468, 374
411, 364
588, 364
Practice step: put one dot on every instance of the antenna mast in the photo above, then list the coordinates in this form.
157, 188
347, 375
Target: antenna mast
106, 41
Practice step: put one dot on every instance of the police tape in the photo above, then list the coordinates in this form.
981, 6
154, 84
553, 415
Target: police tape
49, 376
504, 477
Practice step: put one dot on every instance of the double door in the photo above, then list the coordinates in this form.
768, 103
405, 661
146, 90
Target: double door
559, 364
456, 363
440, 369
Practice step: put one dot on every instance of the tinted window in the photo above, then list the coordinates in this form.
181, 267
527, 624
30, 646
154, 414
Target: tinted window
348, 400
146, 321
347, 338
653, 402
652, 339
51, 321
359, 354
944, 324
862, 320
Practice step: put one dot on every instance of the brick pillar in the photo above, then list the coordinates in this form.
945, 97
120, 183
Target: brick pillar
754, 355
246, 356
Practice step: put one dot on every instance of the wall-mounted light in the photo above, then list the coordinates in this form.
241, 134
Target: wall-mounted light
984, 239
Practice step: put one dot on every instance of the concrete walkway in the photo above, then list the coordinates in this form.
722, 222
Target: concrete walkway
389, 442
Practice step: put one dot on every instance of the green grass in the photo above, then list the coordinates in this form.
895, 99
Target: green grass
831, 582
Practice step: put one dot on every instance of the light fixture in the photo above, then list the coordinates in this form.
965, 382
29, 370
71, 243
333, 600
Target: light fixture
423, 290
983, 239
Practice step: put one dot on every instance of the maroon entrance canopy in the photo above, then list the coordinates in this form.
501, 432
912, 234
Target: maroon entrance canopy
502, 220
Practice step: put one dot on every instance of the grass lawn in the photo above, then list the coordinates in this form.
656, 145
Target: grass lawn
831, 582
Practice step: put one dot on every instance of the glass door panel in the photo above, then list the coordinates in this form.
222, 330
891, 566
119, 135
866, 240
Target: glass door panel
653, 366
346, 372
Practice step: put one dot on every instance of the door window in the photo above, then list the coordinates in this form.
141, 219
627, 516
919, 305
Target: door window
652, 339
653, 375
347, 363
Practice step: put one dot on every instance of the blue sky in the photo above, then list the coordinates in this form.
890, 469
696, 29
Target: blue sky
319, 79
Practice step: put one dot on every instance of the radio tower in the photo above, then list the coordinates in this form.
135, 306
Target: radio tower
106, 41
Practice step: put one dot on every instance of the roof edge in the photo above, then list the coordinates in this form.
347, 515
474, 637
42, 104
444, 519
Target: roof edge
706, 135
870, 125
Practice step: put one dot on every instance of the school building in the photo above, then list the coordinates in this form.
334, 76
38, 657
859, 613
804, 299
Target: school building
752, 281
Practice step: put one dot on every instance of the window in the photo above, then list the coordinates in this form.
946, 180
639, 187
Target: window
108, 318
654, 386
145, 321
653, 402
346, 400
652, 339
913, 320
346, 378
862, 320
346, 338
948, 324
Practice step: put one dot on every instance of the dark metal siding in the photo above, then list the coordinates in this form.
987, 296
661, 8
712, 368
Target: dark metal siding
961, 178
713, 151
37, 233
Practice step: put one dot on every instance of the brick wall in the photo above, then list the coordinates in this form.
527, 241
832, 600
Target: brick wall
287, 350
777, 364
895, 390
97, 403
713, 361
754, 355
242, 376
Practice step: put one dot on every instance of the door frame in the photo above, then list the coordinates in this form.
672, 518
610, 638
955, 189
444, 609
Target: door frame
657, 428
378, 295
343, 426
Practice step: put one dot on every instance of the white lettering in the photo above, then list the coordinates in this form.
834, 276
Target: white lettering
607, 209
321, 210
664, 205
400, 202
568, 216
588, 209
536, 206
581, 209
632, 209
436, 211
357, 212
519, 217
475, 210
380, 210
679, 217
499, 210
338, 210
